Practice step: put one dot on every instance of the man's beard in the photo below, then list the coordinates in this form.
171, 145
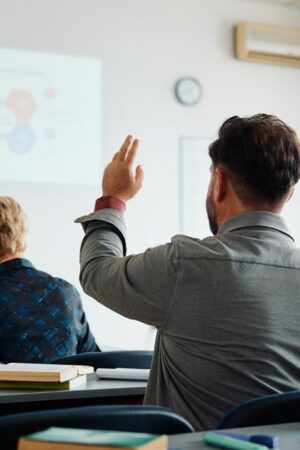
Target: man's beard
211, 214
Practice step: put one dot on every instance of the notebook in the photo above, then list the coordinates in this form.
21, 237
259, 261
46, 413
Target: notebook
55, 438
123, 373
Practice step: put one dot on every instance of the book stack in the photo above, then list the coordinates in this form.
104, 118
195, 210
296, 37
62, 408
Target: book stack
42, 376
55, 438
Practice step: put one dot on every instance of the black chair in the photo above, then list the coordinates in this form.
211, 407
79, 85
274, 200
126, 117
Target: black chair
133, 359
145, 419
266, 410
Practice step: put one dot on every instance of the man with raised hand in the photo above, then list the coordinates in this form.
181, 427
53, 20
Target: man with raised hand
226, 307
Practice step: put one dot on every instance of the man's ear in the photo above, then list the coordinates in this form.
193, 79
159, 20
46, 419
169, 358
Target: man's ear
290, 194
221, 182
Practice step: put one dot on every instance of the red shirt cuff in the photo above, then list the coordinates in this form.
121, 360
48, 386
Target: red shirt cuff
110, 202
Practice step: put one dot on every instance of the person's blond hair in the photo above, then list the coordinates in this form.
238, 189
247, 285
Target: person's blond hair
13, 227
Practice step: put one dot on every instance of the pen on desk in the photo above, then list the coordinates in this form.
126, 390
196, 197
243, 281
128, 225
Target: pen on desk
220, 441
263, 439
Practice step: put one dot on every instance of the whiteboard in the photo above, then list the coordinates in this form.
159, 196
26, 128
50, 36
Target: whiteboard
194, 176
50, 121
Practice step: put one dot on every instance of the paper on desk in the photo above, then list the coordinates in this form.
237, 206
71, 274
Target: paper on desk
123, 373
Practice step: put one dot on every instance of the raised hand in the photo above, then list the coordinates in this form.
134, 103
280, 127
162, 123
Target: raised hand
119, 178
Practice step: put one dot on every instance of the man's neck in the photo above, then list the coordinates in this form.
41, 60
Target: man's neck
233, 212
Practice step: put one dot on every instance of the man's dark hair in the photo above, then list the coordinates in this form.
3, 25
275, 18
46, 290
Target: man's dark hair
261, 154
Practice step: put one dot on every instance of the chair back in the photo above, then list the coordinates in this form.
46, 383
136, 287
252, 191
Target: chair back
133, 359
266, 410
144, 419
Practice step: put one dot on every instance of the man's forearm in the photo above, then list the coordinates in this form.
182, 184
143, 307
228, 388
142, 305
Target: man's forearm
104, 238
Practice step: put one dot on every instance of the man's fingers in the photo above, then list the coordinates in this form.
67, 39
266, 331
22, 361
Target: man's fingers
132, 151
115, 156
124, 148
139, 174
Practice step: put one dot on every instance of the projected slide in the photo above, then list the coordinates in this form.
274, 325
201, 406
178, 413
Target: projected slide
49, 118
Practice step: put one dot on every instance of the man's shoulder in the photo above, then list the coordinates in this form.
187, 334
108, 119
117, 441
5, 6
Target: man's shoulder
191, 247
240, 248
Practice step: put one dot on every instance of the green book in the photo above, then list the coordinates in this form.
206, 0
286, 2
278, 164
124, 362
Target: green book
44, 385
55, 438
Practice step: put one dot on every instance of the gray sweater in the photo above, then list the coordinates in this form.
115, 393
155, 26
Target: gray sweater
227, 309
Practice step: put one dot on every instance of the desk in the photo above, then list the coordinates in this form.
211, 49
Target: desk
93, 393
288, 433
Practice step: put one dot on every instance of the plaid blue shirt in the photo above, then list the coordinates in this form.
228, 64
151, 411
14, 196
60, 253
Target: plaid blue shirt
41, 317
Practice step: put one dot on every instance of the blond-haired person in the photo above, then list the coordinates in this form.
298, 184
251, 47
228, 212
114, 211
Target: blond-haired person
41, 317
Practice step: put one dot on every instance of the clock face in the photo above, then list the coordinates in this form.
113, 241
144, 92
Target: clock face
188, 91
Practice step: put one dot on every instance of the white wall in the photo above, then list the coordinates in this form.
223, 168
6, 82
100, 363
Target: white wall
145, 45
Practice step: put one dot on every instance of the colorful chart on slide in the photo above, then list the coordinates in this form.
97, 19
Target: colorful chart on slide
50, 118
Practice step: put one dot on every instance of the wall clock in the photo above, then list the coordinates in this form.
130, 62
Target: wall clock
188, 91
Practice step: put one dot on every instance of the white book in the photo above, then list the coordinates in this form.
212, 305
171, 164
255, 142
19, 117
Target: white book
123, 373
